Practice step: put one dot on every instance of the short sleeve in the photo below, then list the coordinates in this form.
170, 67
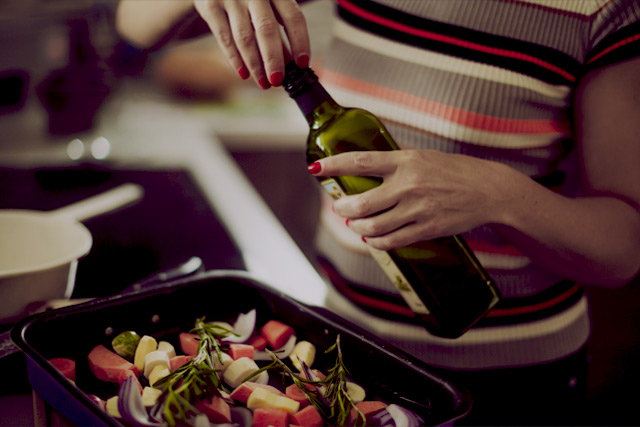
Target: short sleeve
615, 33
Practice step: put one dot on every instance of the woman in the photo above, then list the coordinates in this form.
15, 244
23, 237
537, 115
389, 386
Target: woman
518, 120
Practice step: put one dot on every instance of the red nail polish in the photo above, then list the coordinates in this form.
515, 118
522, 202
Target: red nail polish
264, 83
303, 61
314, 168
244, 73
276, 78
364, 239
347, 222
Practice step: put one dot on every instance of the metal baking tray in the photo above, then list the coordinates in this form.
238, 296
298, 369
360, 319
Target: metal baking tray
386, 372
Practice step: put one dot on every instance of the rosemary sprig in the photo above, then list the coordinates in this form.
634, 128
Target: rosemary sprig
336, 391
330, 396
197, 379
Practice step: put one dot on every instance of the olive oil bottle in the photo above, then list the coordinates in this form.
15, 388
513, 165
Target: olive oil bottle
440, 280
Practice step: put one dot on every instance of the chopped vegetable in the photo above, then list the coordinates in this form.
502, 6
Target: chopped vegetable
177, 361
243, 328
276, 333
156, 358
168, 348
237, 371
112, 407
366, 409
126, 374
258, 342
303, 351
265, 417
146, 345
125, 343
355, 392
261, 398
66, 366
150, 396
158, 373
216, 409
307, 417
244, 390
403, 417
295, 393
236, 351
106, 365
189, 343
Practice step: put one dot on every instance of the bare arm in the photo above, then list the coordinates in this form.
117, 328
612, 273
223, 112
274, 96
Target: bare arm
594, 239
144, 23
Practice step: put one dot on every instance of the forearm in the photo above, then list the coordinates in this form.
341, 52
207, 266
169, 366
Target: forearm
594, 240
144, 23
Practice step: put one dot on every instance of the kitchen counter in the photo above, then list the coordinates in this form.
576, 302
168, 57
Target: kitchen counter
139, 128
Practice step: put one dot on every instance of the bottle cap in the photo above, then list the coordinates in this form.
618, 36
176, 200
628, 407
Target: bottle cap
297, 80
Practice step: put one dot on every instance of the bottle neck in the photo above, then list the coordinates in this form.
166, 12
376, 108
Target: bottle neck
314, 101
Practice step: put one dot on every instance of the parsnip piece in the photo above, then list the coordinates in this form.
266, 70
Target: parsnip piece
221, 366
355, 392
112, 407
157, 374
261, 398
303, 351
150, 396
168, 348
237, 371
146, 345
156, 358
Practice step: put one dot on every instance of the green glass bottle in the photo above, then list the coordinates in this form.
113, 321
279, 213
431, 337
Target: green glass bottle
440, 280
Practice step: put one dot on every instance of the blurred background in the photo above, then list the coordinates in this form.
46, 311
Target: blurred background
66, 76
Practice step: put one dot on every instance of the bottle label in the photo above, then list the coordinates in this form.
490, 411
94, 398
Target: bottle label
384, 260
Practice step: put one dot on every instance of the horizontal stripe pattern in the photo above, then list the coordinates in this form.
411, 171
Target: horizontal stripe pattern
450, 64
511, 53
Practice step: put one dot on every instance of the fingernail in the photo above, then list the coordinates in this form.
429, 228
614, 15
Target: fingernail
347, 222
244, 73
314, 168
303, 61
276, 78
264, 83
364, 239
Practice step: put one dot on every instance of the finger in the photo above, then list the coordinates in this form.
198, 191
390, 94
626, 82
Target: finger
290, 16
365, 204
378, 224
268, 38
398, 238
244, 38
216, 18
356, 163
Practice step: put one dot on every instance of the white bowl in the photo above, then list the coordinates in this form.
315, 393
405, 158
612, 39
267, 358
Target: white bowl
38, 258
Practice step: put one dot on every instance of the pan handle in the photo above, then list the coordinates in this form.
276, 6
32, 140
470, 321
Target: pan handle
101, 203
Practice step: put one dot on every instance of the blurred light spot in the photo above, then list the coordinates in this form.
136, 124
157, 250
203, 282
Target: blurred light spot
75, 149
100, 148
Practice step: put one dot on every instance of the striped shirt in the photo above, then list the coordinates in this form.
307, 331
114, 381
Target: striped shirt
486, 78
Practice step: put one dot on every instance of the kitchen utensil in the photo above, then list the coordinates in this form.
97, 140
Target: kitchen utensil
39, 251
163, 311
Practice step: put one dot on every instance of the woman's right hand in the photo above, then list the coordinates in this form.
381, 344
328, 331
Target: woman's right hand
248, 32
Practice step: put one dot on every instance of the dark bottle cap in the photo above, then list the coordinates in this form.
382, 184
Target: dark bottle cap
298, 80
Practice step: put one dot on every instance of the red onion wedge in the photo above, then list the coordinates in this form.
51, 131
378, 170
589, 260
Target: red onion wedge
130, 404
243, 327
404, 417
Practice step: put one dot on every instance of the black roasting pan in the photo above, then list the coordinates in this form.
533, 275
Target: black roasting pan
165, 310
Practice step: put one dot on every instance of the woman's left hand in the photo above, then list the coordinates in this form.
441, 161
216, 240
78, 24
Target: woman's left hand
425, 194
